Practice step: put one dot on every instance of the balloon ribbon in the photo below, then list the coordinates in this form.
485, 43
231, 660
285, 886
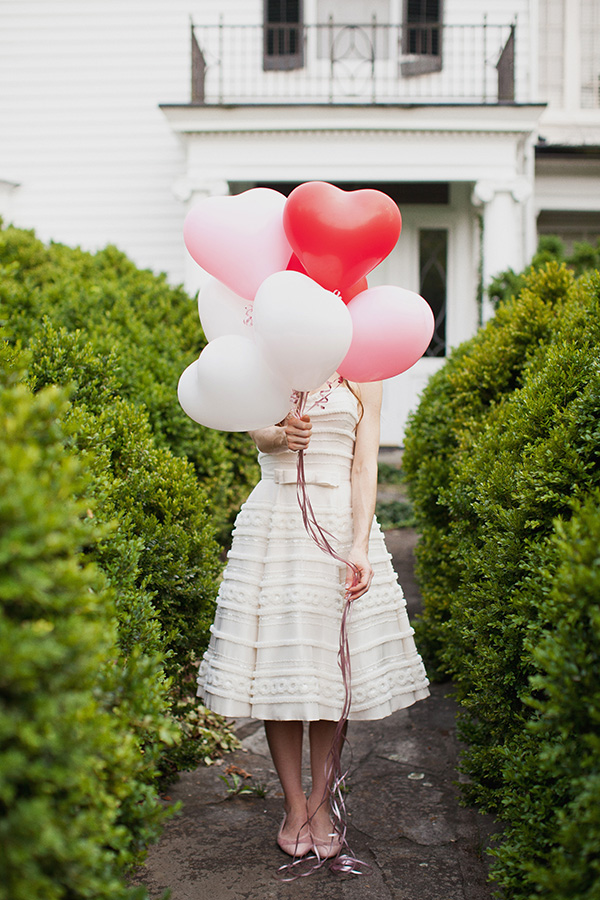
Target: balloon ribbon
344, 862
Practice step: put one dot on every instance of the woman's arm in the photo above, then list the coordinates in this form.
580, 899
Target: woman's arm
292, 434
364, 487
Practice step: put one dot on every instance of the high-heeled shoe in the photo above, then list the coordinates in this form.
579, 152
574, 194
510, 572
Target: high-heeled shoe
328, 848
296, 847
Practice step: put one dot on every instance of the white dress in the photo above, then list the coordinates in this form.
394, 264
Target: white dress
274, 643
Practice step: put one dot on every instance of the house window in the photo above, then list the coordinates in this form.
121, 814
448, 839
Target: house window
422, 37
433, 268
283, 34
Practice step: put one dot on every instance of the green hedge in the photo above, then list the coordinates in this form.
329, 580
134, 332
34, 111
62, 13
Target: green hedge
165, 531
583, 258
448, 422
553, 806
80, 724
108, 564
118, 338
504, 447
160, 551
144, 331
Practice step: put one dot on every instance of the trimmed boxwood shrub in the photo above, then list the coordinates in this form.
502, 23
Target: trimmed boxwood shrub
583, 258
154, 495
550, 848
160, 551
539, 453
495, 483
447, 423
80, 724
145, 330
118, 338
108, 335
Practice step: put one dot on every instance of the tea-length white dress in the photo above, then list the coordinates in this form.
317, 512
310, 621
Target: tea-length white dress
275, 639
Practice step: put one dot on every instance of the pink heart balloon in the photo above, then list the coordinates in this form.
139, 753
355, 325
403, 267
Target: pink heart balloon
392, 328
239, 239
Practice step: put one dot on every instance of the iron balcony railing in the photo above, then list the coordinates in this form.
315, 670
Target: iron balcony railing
353, 63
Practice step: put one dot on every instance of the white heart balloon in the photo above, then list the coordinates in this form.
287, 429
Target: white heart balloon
303, 330
222, 311
230, 387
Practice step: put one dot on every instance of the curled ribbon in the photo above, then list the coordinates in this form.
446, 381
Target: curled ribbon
344, 862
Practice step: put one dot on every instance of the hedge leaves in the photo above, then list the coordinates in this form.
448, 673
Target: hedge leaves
109, 564
503, 458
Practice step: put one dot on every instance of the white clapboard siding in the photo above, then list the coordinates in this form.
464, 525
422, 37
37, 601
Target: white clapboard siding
81, 131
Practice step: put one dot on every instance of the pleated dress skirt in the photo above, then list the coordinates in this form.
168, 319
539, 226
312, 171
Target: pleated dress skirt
273, 652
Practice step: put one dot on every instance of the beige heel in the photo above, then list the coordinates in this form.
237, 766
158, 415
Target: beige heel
297, 847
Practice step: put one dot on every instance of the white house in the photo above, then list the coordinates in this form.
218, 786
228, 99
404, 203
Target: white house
484, 126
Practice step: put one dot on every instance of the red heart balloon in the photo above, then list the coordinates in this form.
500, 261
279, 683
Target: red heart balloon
340, 236
347, 294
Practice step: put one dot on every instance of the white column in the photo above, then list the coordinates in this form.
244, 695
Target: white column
503, 208
190, 193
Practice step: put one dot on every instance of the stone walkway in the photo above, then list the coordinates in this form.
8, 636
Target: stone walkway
405, 820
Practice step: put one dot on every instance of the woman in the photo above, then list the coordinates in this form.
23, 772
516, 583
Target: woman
274, 644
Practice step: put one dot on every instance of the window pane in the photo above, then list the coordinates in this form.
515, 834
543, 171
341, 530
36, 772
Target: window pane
283, 38
424, 40
433, 265
422, 11
283, 11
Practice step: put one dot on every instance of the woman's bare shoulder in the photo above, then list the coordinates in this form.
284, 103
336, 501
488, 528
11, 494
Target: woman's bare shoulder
370, 392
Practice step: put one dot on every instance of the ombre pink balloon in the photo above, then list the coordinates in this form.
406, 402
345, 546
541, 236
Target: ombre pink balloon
239, 239
392, 328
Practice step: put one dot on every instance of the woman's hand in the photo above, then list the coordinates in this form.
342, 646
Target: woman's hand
297, 431
364, 577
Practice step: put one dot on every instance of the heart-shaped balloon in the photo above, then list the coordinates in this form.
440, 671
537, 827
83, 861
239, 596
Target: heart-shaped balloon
353, 290
223, 312
303, 330
239, 239
392, 328
230, 387
347, 294
340, 236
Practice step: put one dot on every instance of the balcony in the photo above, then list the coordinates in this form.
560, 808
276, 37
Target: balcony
358, 64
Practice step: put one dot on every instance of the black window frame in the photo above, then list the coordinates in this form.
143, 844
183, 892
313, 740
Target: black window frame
434, 246
283, 36
422, 38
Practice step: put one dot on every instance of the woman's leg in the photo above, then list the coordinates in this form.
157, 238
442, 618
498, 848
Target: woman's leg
285, 744
321, 735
